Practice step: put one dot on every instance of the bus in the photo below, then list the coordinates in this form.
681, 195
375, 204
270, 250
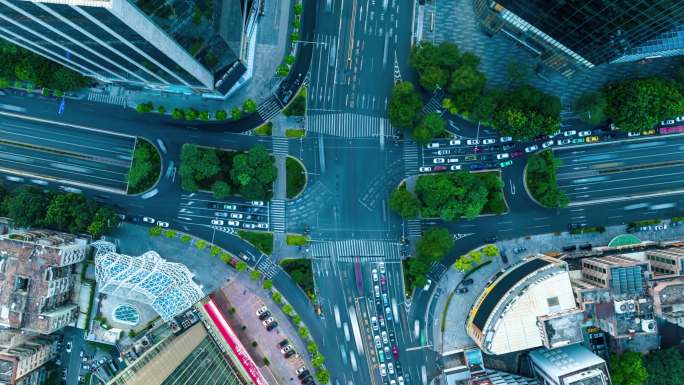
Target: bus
671, 130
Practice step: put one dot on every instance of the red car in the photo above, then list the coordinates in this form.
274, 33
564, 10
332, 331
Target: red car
439, 168
516, 154
395, 352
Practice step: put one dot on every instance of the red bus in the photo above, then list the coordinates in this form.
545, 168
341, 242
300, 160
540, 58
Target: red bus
671, 130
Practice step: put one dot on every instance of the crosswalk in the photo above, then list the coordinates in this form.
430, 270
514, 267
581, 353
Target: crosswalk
267, 267
348, 125
413, 228
356, 248
436, 270
278, 215
268, 108
411, 159
108, 99
435, 102
280, 145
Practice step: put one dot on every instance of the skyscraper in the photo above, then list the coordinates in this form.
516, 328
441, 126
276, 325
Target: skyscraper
172, 45
571, 35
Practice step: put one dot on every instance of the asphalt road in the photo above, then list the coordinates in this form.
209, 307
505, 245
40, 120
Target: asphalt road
38, 149
620, 169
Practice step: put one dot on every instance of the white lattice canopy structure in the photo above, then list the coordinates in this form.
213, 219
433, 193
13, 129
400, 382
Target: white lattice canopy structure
166, 286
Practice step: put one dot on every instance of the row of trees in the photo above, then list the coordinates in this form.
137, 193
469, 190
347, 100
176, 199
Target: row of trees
450, 196
19, 64
541, 180
72, 213
662, 367
466, 262
250, 174
634, 104
404, 109
248, 106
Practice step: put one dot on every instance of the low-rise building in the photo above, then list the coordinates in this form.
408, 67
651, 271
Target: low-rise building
569, 365
22, 357
666, 263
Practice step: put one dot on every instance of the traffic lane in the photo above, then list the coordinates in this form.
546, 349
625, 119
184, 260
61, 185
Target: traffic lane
101, 172
655, 150
200, 208
579, 186
48, 134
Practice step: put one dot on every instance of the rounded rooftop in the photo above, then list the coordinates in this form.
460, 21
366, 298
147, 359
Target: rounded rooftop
624, 240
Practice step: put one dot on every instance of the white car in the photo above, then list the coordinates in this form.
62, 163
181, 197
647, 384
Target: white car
400, 380
679, 119
262, 225
569, 133
425, 169
489, 141
390, 368
221, 214
433, 145
236, 215
378, 343
548, 143
381, 265
443, 152
261, 310
267, 321
455, 142
669, 121
502, 156
438, 160
472, 142
257, 203
374, 273
376, 289
248, 226
148, 220
234, 223
428, 283
385, 340
286, 349
452, 160
374, 323
383, 371
531, 148
217, 222
455, 167
633, 133
561, 142
68, 347
506, 139
583, 133
162, 224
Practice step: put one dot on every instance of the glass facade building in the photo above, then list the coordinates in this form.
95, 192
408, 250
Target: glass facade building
572, 35
197, 45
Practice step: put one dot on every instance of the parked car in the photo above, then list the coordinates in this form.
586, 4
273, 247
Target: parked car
217, 222
440, 168
257, 203
502, 156
506, 163
489, 141
236, 215
425, 169
286, 349
148, 220
443, 152
583, 133
548, 143
506, 139
438, 160
433, 145
272, 326
163, 224
455, 167
569, 133
428, 283
290, 354
531, 148
454, 142
234, 223
462, 290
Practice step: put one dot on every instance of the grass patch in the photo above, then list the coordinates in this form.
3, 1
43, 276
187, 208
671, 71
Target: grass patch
295, 133
301, 272
588, 229
295, 176
145, 168
265, 129
263, 241
297, 106
297, 240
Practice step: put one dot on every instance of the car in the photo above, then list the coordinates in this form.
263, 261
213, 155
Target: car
212, 205
381, 266
400, 380
541, 137
264, 315
428, 283
561, 142
236, 215
454, 142
272, 326
378, 342
385, 340
489, 141
493, 148
374, 274
506, 139
438, 160
68, 347
149, 220
290, 354
578, 140
217, 222
462, 290
452, 160
381, 320
257, 203
531, 148
381, 356
505, 163
376, 290
548, 143
592, 139
649, 132
248, 226
229, 207
666, 122
455, 167
286, 349
425, 169
472, 142
388, 313
443, 152
569, 133
383, 370
385, 299
301, 371
395, 353
374, 323
221, 214
163, 224
433, 145
234, 223
262, 225
633, 133
267, 321
390, 368
467, 281
504, 155
85, 367
517, 153
440, 168
284, 342
583, 133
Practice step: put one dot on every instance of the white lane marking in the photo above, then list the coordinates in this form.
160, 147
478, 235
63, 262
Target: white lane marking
355, 329
416, 328
338, 322
346, 332
352, 358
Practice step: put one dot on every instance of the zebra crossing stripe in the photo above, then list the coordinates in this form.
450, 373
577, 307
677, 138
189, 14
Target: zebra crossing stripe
357, 248
107, 99
278, 215
348, 125
269, 108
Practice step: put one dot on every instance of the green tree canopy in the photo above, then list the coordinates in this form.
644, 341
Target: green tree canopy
541, 180
404, 106
404, 203
591, 107
664, 367
431, 126
197, 163
26, 206
434, 244
628, 369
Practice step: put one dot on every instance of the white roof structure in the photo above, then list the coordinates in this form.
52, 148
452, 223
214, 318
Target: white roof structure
572, 364
166, 286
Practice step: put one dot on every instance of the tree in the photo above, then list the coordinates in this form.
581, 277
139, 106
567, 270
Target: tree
254, 275
161, 110
490, 250
541, 180
249, 106
191, 114
197, 163
423, 55
449, 56
312, 347
298, 8
318, 361
404, 203
104, 221
221, 115
282, 70
404, 106
178, 114
144, 107
464, 263
236, 113
220, 189
433, 77
467, 78
323, 376
254, 172
434, 244
204, 115
141, 167
591, 107
665, 367
241, 266
451, 195
430, 127
26, 206
628, 369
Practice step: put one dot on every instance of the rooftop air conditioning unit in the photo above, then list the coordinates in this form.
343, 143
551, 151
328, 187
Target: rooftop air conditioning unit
648, 325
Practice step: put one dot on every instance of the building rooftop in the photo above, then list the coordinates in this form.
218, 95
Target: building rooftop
561, 328
556, 363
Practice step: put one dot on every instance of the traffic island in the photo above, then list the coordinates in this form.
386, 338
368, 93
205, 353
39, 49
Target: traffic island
145, 170
296, 177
